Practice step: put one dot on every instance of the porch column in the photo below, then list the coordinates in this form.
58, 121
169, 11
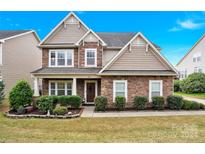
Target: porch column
36, 88
74, 87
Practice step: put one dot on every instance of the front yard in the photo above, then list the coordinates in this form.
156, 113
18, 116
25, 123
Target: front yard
139, 129
196, 95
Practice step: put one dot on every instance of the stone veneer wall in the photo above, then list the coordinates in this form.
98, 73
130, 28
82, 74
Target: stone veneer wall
136, 86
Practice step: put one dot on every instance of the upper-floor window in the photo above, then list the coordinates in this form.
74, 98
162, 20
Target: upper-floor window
197, 57
61, 58
91, 57
197, 70
183, 74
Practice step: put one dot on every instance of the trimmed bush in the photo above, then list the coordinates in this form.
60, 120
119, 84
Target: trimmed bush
120, 103
54, 98
64, 100
194, 83
140, 102
158, 102
202, 106
21, 110
175, 102
60, 110
75, 101
101, 103
2, 86
187, 105
195, 105
20, 95
45, 103
177, 85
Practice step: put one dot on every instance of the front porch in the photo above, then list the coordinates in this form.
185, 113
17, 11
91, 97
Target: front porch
86, 87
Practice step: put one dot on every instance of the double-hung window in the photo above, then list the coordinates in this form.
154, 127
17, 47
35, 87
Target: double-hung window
155, 88
119, 88
60, 88
91, 57
61, 58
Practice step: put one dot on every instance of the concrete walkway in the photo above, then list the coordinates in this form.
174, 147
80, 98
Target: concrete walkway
89, 112
195, 99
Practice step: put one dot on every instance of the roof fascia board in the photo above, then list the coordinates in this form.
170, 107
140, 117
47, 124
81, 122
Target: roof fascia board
56, 27
191, 49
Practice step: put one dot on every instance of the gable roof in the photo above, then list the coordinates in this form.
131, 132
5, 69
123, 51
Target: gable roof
88, 32
9, 34
191, 49
123, 49
61, 22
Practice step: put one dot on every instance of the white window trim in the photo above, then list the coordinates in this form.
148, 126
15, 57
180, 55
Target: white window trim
150, 88
56, 59
126, 90
95, 50
85, 89
56, 90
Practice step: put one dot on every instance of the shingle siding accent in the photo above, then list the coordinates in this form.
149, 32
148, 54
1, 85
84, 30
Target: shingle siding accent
82, 53
137, 86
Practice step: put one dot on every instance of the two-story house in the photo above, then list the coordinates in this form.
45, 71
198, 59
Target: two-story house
79, 61
19, 55
193, 61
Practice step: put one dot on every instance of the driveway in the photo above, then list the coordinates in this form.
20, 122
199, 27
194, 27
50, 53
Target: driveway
89, 112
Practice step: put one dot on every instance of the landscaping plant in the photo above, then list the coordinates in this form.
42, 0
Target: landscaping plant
158, 102
120, 103
75, 101
20, 95
140, 102
175, 102
64, 100
60, 110
45, 104
100, 103
194, 83
177, 85
186, 104
1, 91
195, 105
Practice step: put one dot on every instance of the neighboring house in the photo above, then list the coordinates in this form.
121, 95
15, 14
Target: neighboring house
194, 60
79, 61
19, 55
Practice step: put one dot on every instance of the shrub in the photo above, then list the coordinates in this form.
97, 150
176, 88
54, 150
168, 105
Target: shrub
194, 83
60, 110
158, 102
174, 102
64, 100
186, 104
140, 102
177, 85
1, 91
54, 98
21, 110
100, 103
120, 103
202, 106
45, 103
20, 95
75, 101
195, 105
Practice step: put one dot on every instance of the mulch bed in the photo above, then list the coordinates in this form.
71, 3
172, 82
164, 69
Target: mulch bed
35, 113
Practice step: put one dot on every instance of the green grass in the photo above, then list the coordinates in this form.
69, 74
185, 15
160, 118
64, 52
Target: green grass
197, 95
138, 129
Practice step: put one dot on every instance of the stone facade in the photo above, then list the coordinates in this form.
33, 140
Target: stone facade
82, 53
137, 86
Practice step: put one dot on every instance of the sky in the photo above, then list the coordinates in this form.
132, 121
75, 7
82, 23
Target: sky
174, 32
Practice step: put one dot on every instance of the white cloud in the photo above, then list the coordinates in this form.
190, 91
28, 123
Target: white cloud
189, 24
174, 29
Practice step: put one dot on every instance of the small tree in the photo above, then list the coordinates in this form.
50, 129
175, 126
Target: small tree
1, 91
20, 95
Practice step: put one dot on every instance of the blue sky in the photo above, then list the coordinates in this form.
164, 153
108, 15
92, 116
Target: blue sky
174, 32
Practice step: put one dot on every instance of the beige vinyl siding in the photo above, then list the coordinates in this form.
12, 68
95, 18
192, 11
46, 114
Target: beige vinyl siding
138, 59
108, 54
20, 57
91, 38
71, 34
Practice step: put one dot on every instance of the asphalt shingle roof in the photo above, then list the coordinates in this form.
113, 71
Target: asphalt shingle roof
9, 33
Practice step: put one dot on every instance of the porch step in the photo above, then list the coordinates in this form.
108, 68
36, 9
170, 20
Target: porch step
88, 104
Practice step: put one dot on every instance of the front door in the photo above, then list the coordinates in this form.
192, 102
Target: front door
90, 92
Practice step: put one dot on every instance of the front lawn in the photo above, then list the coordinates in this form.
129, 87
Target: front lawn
196, 95
139, 129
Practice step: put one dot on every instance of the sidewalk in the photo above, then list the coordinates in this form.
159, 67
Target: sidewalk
89, 112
